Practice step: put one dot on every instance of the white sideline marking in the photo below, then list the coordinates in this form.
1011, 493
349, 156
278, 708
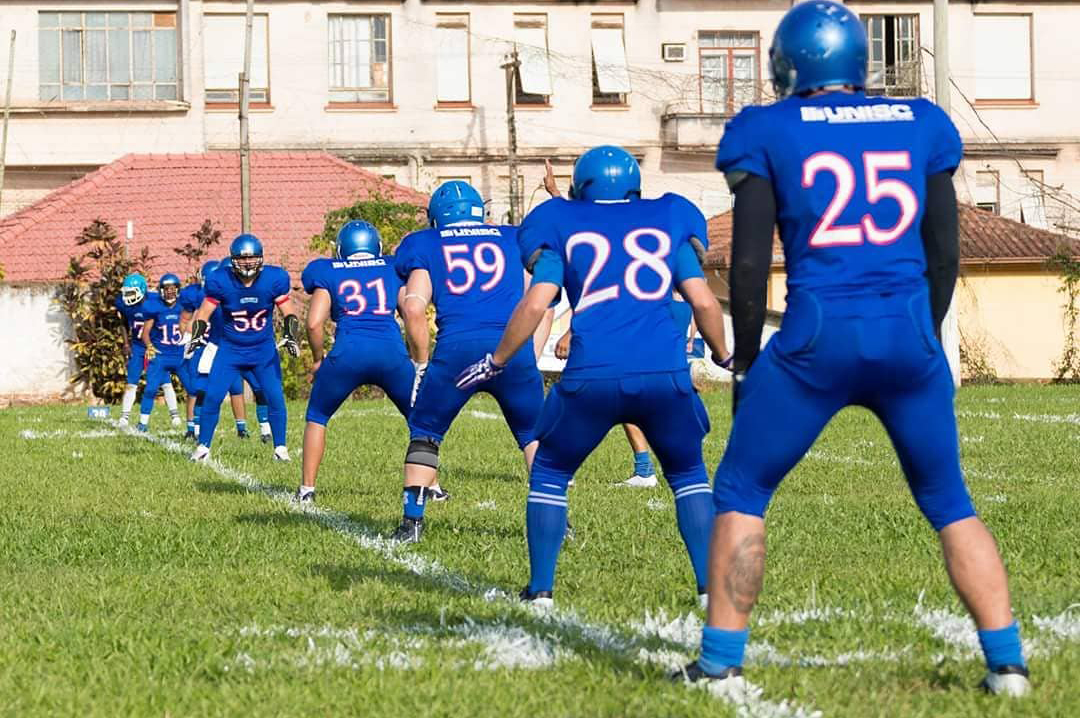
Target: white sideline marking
64, 433
482, 414
656, 505
1035, 418
749, 704
995, 498
485, 505
1065, 625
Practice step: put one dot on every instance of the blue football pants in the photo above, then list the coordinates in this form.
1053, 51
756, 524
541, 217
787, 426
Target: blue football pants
135, 361
354, 362
519, 390
229, 365
880, 353
161, 368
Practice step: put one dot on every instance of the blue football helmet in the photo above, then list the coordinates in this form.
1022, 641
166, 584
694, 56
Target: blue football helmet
606, 173
818, 44
246, 252
358, 239
455, 201
169, 287
133, 289
208, 269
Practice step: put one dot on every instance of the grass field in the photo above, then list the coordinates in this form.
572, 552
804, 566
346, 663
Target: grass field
135, 583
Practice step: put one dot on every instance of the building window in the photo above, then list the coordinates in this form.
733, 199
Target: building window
359, 58
532, 78
223, 43
1033, 202
894, 68
1003, 58
101, 56
988, 191
610, 73
730, 68
452, 59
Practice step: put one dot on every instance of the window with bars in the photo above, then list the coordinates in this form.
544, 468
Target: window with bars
730, 70
359, 58
894, 69
107, 56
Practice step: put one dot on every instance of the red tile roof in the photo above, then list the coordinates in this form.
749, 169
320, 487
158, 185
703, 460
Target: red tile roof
985, 238
169, 196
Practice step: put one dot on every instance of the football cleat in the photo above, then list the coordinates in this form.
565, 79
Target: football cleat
639, 482
190, 435
123, 422
1009, 681
409, 531
201, 453
437, 493
142, 428
243, 433
304, 497
703, 600
694, 673
542, 599
266, 438
281, 453
176, 421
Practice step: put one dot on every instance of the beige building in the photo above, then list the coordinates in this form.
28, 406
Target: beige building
414, 90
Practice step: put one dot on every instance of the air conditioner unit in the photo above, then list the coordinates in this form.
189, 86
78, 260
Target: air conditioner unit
673, 51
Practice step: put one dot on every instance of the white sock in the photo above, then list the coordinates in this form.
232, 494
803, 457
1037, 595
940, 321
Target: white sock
129, 399
170, 397
144, 419
305, 490
264, 427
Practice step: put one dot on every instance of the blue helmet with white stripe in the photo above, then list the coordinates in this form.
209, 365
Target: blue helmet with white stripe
455, 201
358, 239
246, 252
606, 173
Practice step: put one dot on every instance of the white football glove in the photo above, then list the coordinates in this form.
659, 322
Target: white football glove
478, 373
421, 369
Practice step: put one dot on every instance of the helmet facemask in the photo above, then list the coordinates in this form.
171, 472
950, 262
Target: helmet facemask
131, 295
247, 266
169, 293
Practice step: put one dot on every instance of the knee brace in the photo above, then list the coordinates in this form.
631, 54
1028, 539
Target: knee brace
423, 451
199, 397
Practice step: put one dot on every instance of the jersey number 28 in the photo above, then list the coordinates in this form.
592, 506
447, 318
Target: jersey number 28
829, 234
642, 259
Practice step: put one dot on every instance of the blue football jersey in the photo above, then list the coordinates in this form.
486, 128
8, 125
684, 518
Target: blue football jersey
620, 261
166, 336
476, 276
363, 294
136, 316
849, 174
191, 298
247, 313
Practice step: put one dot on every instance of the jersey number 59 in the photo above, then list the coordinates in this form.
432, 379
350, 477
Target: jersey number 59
829, 234
487, 258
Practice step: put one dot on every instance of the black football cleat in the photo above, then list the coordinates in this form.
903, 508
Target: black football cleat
409, 531
190, 435
266, 438
437, 493
304, 497
542, 599
243, 433
694, 673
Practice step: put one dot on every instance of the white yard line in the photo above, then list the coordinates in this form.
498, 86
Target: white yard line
748, 700
65, 434
1034, 418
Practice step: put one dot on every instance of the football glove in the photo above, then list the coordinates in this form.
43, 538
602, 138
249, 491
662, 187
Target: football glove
478, 373
288, 340
199, 338
421, 369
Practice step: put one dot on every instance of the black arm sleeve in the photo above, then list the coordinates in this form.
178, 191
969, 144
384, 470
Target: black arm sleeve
941, 241
751, 257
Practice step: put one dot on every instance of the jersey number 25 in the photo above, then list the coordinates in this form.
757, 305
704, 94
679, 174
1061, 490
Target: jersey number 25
829, 234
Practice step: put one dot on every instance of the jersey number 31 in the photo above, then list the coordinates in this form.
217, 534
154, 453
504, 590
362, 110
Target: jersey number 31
829, 234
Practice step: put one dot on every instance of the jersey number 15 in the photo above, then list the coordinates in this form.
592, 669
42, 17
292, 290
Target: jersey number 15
829, 234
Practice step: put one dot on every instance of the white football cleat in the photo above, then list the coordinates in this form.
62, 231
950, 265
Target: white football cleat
176, 421
201, 453
703, 601
1009, 681
123, 423
281, 453
639, 482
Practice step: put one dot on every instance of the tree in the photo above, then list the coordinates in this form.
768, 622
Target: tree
196, 253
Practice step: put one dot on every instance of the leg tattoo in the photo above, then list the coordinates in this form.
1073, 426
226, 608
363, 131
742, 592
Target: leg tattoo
746, 572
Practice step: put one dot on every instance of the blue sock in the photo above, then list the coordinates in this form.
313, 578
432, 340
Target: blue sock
695, 511
1002, 647
241, 425
414, 499
262, 413
545, 524
191, 425
643, 464
722, 649
197, 412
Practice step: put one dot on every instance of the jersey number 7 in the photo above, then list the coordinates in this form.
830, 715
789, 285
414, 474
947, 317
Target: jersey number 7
829, 234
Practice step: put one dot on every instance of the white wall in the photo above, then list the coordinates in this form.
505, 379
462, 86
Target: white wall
34, 364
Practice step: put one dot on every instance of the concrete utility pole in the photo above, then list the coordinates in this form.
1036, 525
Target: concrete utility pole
245, 147
7, 114
950, 329
510, 66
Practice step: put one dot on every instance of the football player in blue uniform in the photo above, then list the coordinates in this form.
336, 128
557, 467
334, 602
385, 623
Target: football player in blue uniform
472, 273
162, 330
246, 292
359, 289
198, 369
133, 304
618, 257
862, 190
